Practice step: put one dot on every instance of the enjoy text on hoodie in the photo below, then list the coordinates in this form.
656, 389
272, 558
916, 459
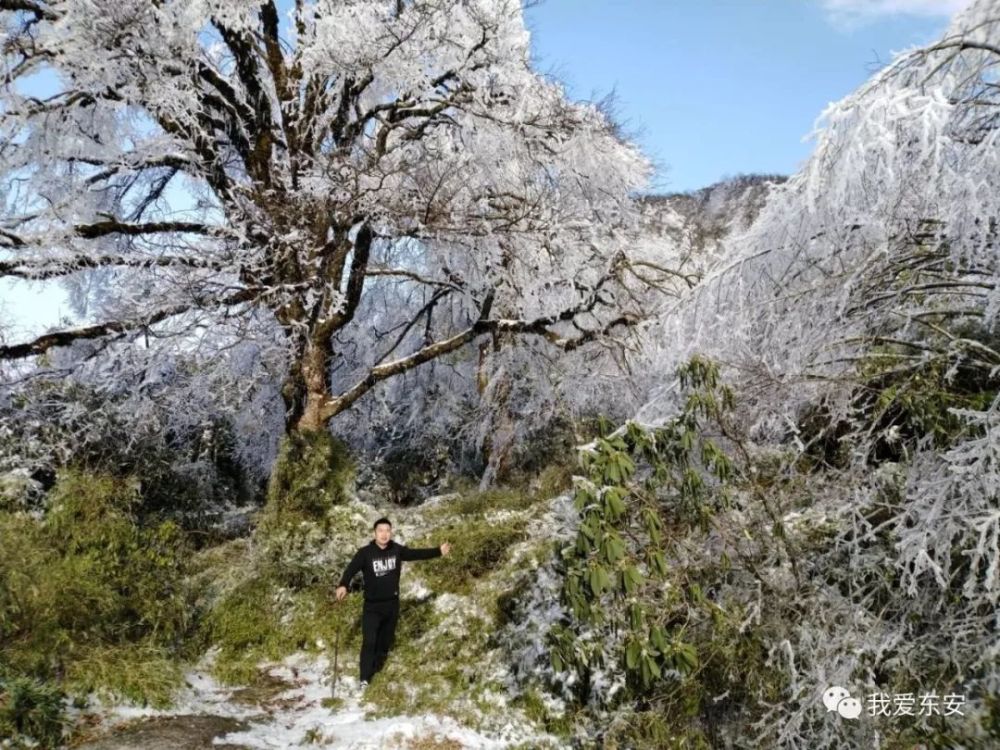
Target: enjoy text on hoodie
381, 568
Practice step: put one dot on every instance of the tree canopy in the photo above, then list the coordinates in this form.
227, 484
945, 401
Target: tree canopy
204, 174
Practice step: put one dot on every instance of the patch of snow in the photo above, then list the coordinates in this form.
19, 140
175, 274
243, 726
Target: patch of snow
297, 716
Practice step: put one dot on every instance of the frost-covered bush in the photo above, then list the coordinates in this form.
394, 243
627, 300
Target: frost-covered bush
164, 425
717, 586
856, 322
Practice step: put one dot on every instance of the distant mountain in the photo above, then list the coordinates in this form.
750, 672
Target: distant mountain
698, 221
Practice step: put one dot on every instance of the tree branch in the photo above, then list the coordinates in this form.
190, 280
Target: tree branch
30, 6
55, 268
112, 226
65, 337
538, 326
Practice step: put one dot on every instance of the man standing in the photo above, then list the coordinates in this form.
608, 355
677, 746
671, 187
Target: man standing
381, 562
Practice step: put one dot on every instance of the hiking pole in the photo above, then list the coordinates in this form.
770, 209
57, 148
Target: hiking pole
336, 660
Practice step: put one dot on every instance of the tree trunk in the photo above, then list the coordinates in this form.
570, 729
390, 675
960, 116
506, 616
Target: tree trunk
307, 390
314, 374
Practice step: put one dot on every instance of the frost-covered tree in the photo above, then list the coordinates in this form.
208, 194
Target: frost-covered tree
857, 320
209, 173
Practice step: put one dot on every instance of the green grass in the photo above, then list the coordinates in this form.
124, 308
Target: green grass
478, 548
89, 597
260, 621
31, 711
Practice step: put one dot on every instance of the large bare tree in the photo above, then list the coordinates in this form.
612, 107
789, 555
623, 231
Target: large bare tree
220, 161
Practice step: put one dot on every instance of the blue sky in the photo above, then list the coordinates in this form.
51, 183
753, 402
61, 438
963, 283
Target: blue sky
723, 87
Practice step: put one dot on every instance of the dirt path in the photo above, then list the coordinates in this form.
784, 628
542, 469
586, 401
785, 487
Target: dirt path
170, 733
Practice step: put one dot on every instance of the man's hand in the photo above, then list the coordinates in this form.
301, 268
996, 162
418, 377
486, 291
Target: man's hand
341, 592
445, 549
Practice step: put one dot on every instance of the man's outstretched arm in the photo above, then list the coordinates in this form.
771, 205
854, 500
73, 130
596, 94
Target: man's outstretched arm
423, 553
349, 572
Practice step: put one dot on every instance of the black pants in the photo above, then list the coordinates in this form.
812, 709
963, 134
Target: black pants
378, 629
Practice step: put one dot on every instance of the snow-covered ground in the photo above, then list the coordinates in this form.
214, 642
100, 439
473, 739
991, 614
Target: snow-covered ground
302, 715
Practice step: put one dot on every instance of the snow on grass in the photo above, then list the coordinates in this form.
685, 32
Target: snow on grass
303, 714
298, 716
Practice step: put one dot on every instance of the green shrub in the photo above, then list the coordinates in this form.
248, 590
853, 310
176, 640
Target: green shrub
261, 620
85, 589
145, 672
31, 712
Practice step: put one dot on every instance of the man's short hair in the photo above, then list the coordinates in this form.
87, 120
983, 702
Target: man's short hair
384, 520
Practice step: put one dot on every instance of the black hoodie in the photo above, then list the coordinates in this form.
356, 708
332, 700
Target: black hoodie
381, 568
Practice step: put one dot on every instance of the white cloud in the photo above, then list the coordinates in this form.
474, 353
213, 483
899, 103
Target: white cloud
862, 10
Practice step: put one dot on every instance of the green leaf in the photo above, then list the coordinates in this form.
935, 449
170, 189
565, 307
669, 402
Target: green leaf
652, 523
613, 548
599, 580
632, 652
612, 475
613, 504
632, 579
625, 466
557, 662
582, 498
659, 562
658, 638
650, 665
635, 616
690, 656
685, 657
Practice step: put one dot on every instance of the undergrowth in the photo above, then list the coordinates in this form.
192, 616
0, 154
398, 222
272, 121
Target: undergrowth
90, 602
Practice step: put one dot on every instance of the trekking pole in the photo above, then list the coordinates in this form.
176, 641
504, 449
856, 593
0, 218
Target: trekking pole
336, 660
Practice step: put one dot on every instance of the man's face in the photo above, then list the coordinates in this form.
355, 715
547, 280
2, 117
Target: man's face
383, 533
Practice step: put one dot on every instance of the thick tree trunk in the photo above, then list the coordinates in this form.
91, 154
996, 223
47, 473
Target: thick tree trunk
307, 391
315, 368
312, 467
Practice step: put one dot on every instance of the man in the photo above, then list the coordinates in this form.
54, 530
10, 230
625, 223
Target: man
381, 562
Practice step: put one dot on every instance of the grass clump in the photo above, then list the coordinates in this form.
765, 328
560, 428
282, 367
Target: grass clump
91, 600
31, 712
143, 672
478, 548
259, 620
